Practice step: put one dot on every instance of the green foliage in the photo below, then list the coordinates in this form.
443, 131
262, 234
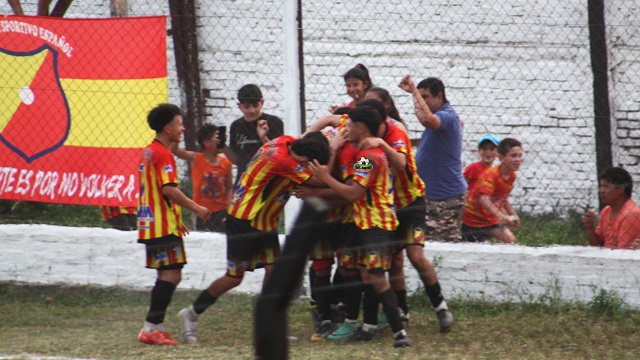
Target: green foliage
28, 212
605, 303
551, 229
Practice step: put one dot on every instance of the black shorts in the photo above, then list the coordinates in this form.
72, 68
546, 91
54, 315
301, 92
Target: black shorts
476, 234
165, 253
249, 248
411, 225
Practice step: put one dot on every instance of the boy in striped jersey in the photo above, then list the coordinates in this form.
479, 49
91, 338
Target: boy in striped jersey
371, 191
252, 240
160, 225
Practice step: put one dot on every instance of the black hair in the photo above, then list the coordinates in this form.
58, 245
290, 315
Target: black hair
386, 98
506, 144
361, 73
249, 94
206, 132
376, 105
368, 116
313, 148
316, 135
342, 110
618, 176
434, 85
162, 115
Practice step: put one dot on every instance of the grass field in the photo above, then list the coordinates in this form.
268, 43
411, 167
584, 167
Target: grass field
102, 323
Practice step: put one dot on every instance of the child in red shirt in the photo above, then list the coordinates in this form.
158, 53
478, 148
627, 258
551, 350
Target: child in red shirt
487, 146
488, 211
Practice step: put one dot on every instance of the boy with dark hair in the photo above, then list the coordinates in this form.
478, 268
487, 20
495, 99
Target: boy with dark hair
619, 225
254, 129
488, 211
211, 176
249, 247
160, 225
408, 196
487, 150
370, 191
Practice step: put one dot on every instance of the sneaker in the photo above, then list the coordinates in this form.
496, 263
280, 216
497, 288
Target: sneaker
364, 335
383, 323
155, 337
401, 339
315, 315
323, 331
188, 324
446, 320
343, 332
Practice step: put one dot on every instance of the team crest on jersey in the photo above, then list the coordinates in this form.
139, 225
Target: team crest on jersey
363, 165
168, 169
300, 168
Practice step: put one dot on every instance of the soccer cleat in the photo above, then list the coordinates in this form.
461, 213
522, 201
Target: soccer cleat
155, 337
343, 332
383, 323
446, 320
188, 324
323, 331
364, 335
401, 339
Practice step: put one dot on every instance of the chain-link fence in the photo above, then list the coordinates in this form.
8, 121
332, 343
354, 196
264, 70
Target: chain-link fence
516, 69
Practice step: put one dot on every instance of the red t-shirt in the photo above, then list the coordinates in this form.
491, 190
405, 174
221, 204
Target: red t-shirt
621, 231
491, 183
472, 173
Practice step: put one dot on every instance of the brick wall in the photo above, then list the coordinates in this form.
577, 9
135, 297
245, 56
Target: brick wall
513, 68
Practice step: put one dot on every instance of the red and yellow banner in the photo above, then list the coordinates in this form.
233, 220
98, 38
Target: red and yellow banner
74, 95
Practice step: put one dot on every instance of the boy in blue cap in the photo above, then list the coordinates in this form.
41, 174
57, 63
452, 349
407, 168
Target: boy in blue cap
487, 149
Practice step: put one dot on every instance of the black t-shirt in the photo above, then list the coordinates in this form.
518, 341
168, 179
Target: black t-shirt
244, 140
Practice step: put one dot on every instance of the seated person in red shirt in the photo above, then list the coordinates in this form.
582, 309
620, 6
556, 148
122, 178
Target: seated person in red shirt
619, 224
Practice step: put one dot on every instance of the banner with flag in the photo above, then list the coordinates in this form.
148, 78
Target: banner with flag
74, 95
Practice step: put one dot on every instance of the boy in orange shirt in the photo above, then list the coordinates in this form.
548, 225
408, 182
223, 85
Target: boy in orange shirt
488, 211
487, 146
211, 176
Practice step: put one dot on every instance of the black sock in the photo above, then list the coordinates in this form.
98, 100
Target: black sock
352, 295
160, 299
322, 291
312, 276
370, 306
402, 300
203, 301
435, 294
337, 291
390, 308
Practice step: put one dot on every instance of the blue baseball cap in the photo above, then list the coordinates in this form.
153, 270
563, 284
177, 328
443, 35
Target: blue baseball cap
489, 137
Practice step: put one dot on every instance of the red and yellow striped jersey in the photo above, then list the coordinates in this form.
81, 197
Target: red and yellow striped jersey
279, 191
408, 186
272, 159
375, 207
491, 183
157, 215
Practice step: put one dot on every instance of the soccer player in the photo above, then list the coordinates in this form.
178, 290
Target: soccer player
371, 192
160, 225
248, 247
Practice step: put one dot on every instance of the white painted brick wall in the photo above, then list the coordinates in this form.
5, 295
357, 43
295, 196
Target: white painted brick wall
46, 254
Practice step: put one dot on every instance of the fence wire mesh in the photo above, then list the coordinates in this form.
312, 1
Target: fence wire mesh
517, 69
